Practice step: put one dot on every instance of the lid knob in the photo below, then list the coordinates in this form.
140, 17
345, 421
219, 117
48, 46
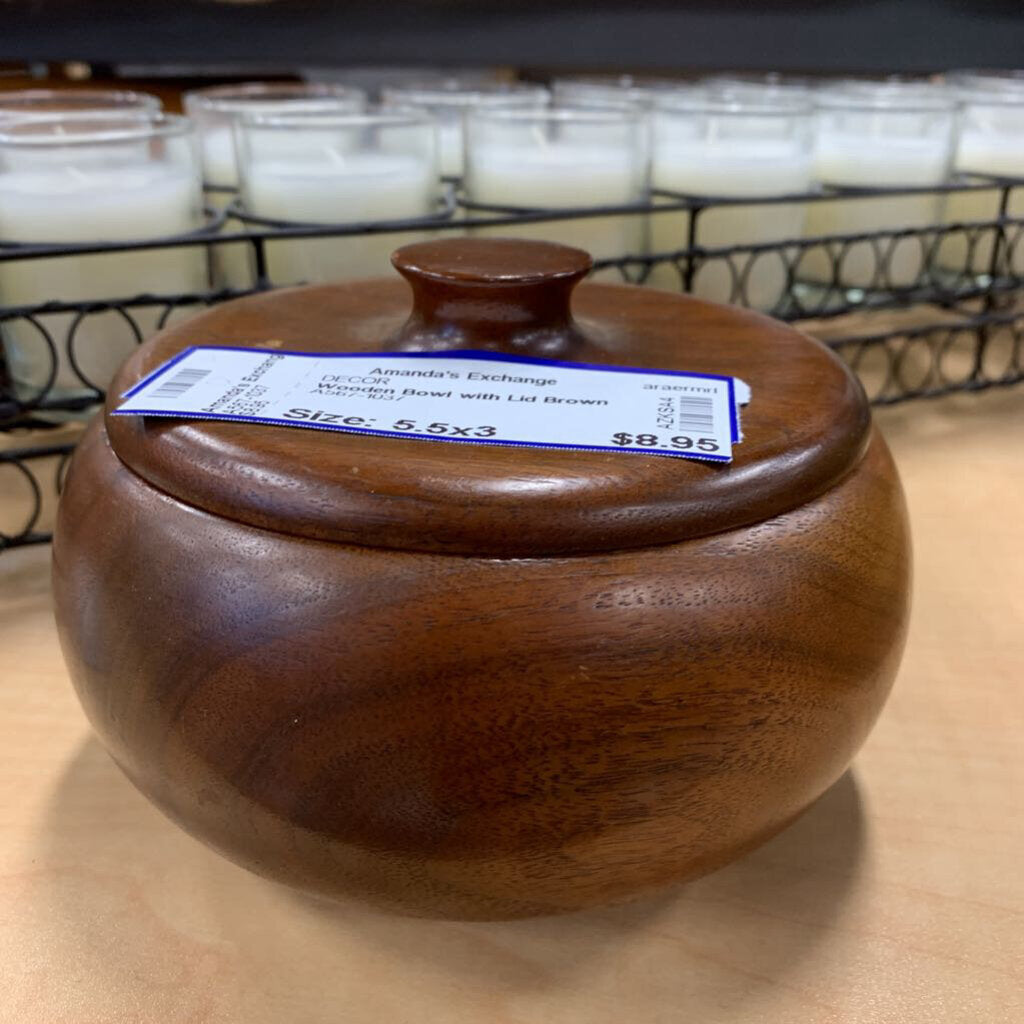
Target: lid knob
497, 294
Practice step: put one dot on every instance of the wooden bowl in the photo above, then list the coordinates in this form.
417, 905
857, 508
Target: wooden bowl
475, 681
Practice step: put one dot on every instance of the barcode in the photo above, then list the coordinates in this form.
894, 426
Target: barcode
696, 414
177, 385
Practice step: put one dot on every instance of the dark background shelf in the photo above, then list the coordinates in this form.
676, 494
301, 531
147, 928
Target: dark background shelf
785, 35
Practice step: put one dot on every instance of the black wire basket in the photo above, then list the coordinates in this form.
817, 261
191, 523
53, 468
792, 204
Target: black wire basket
954, 322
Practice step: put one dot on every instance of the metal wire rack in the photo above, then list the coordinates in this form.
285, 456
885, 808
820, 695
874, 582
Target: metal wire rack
916, 312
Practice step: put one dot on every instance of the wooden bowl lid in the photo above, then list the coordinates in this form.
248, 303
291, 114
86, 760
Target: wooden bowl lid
804, 430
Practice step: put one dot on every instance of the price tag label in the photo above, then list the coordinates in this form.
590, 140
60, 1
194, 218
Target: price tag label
468, 397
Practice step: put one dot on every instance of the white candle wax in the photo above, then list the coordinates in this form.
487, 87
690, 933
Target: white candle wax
340, 187
874, 161
734, 168
231, 264
449, 146
982, 152
219, 164
563, 175
86, 204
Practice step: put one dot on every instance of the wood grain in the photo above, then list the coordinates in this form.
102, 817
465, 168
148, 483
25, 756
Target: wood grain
460, 735
897, 899
478, 737
496, 294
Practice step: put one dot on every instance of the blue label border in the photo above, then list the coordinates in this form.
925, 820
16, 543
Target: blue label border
477, 354
306, 425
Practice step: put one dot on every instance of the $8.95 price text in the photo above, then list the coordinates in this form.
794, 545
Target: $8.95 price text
680, 442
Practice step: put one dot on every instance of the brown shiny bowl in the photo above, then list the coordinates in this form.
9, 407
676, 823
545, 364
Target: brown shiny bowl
499, 682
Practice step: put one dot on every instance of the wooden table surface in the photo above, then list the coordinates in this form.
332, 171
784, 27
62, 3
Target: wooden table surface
897, 898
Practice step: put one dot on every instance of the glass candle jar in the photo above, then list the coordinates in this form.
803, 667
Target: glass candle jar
563, 158
991, 145
733, 147
337, 168
94, 180
876, 135
215, 112
67, 103
449, 101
